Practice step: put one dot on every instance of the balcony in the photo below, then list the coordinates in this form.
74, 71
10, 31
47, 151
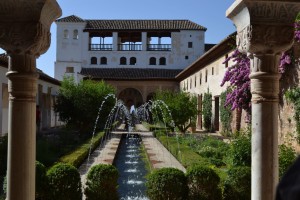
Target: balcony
130, 47
159, 47
101, 47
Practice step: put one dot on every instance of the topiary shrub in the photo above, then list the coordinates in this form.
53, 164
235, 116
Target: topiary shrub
237, 186
167, 183
287, 156
64, 182
41, 183
102, 183
203, 183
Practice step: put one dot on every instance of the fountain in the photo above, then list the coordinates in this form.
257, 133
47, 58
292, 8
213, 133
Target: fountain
126, 155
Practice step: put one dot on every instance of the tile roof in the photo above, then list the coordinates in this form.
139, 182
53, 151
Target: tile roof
130, 73
42, 75
134, 24
142, 25
71, 18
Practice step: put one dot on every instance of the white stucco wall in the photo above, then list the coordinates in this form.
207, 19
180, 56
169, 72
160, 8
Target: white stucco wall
75, 52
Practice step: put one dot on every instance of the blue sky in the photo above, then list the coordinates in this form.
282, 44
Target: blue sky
208, 13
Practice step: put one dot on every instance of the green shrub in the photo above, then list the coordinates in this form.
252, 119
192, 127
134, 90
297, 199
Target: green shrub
213, 149
241, 151
225, 115
185, 155
102, 183
41, 185
77, 157
203, 183
237, 186
64, 182
287, 156
167, 183
207, 110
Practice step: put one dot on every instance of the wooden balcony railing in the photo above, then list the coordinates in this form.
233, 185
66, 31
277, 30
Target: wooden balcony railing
159, 47
101, 47
130, 47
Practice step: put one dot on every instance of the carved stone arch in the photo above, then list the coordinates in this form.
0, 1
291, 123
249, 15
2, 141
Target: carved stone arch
131, 96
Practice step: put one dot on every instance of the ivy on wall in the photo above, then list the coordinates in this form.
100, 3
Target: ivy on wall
293, 95
225, 114
207, 110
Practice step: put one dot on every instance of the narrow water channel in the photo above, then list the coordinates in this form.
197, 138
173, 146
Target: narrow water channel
131, 168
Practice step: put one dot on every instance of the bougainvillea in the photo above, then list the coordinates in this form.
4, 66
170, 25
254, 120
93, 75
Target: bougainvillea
238, 77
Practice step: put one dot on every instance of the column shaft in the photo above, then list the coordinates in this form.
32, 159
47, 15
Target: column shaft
265, 94
22, 85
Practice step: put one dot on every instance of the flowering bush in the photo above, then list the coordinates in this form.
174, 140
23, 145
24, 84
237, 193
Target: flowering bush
238, 77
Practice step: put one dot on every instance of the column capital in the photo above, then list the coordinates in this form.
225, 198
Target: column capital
25, 25
264, 27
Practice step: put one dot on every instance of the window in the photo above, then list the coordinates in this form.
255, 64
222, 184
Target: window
200, 79
191, 83
190, 45
212, 71
195, 81
205, 76
186, 57
75, 34
103, 60
132, 61
152, 61
69, 69
66, 34
162, 61
93, 60
123, 61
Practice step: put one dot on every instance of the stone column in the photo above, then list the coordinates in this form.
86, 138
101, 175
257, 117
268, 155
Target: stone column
115, 41
144, 41
264, 30
25, 34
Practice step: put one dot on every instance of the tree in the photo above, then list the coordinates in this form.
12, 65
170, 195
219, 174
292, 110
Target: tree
182, 107
78, 104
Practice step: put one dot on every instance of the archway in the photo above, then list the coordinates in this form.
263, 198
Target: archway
131, 96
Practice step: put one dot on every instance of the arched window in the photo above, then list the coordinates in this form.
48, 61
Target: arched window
152, 61
162, 61
75, 34
132, 60
103, 60
66, 34
93, 60
123, 61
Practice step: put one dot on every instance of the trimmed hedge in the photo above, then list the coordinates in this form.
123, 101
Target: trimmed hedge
64, 182
187, 156
167, 183
102, 183
203, 183
77, 157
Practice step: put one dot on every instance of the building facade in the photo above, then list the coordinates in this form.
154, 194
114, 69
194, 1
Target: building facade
136, 56
47, 90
